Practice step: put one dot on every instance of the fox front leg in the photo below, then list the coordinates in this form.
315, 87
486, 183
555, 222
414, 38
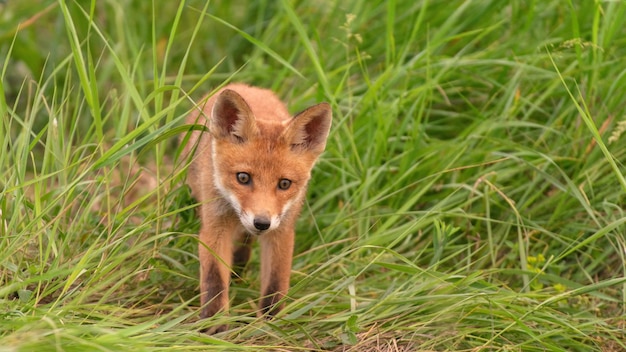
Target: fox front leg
276, 258
215, 254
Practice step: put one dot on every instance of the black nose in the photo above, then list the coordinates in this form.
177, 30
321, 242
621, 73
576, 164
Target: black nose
262, 223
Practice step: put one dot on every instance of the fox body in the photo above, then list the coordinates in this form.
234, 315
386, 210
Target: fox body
249, 173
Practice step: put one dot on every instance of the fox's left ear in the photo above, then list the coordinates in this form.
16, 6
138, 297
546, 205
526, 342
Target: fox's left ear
309, 129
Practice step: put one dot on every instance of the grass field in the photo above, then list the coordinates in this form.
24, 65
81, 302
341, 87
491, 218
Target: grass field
471, 197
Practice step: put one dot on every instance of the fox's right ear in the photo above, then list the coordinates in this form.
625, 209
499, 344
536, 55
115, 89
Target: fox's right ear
232, 117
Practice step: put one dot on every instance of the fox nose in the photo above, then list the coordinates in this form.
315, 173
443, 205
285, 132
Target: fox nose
262, 223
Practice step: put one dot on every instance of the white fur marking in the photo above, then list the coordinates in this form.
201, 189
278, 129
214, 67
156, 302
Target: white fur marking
218, 182
247, 220
291, 201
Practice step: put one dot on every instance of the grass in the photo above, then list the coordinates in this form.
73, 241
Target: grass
471, 196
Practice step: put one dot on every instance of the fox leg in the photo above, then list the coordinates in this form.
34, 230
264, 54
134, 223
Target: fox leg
215, 252
276, 257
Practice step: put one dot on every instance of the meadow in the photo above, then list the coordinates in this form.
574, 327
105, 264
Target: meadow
471, 196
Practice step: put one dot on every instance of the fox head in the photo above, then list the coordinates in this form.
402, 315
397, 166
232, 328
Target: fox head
261, 164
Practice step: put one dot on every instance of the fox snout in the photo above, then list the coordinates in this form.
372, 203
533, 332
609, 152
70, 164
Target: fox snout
259, 223
262, 223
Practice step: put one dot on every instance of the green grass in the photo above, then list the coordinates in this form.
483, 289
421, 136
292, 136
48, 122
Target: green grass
471, 196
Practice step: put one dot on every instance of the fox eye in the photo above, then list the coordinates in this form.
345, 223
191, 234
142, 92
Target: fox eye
284, 184
244, 178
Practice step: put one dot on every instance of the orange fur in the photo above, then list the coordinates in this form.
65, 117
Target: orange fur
249, 173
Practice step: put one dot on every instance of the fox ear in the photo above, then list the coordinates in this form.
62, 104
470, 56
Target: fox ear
309, 129
232, 117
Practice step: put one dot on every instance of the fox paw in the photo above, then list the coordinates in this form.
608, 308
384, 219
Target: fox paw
215, 329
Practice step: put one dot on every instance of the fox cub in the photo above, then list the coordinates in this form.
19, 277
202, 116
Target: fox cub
250, 173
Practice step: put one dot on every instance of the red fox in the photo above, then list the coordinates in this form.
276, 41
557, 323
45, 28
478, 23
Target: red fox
250, 173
